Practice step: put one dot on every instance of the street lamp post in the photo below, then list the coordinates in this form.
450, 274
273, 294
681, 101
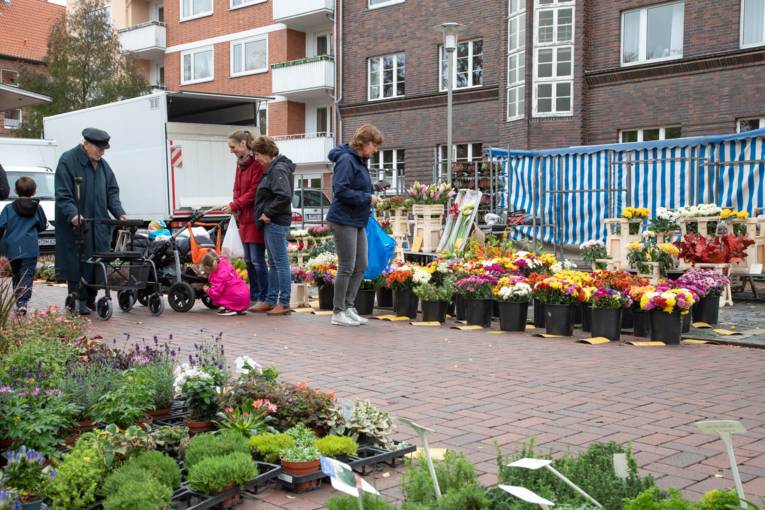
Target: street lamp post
450, 31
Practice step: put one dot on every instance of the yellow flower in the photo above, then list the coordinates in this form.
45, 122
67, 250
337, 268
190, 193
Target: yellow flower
548, 259
555, 283
742, 214
669, 249
627, 213
726, 213
635, 246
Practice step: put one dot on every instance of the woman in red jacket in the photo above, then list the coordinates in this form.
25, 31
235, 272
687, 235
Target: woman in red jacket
249, 172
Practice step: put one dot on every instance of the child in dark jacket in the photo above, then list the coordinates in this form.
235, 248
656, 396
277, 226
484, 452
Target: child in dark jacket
22, 221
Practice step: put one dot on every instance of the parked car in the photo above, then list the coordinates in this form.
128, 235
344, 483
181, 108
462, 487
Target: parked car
309, 207
44, 177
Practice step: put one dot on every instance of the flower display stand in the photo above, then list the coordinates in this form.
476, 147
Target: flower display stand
399, 223
759, 239
428, 224
654, 275
618, 238
299, 295
702, 223
726, 298
610, 265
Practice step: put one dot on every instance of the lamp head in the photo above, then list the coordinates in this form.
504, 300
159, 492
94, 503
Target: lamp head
450, 30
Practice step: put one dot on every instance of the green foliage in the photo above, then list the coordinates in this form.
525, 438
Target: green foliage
207, 445
140, 494
171, 437
160, 466
431, 292
300, 454
302, 435
656, 499
470, 497
35, 418
214, 474
84, 67
83, 384
718, 500
270, 374
41, 358
78, 477
116, 445
332, 446
125, 473
158, 376
366, 424
126, 404
270, 446
246, 419
453, 473
371, 502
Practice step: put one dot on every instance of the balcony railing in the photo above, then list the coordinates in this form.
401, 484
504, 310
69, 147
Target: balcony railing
306, 148
304, 79
149, 37
303, 14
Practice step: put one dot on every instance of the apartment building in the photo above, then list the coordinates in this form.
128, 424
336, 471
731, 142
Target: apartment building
24, 29
548, 73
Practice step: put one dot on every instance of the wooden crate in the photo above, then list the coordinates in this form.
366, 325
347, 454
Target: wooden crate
616, 242
727, 296
428, 225
299, 295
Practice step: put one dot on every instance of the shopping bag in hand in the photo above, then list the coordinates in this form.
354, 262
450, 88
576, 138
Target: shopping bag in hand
380, 249
232, 243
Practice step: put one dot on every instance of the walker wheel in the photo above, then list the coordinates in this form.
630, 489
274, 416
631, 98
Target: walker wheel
156, 304
180, 297
126, 300
104, 308
143, 297
207, 301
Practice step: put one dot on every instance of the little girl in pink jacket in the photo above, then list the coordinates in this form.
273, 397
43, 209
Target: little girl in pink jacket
227, 290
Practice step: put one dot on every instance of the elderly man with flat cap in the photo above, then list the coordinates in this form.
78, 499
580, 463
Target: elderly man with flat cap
99, 196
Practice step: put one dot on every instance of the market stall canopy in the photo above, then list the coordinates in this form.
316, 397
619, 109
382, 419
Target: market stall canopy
13, 97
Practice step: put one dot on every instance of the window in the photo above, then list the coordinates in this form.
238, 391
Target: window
161, 76
388, 165
649, 134
12, 119
235, 4
555, 26
652, 34
752, 23
105, 14
249, 56
324, 44
516, 60
161, 14
463, 153
750, 124
554, 63
373, 4
553, 99
468, 66
197, 65
263, 118
553, 58
191, 9
324, 121
387, 76
9, 77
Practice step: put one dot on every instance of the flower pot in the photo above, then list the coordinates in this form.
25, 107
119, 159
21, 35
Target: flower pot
459, 307
198, 425
512, 316
707, 309
159, 413
627, 320
326, 297
384, 297
558, 319
539, 314
409, 304
302, 469
434, 311
642, 323
666, 327
577, 311
71, 439
86, 425
634, 228
586, 317
365, 302
233, 500
495, 310
478, 312
686, 321
607, 323
32, 505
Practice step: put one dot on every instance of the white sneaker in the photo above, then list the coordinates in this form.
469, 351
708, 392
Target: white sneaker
353, 314
343, 319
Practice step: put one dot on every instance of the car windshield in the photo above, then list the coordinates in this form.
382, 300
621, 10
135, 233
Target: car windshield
45, 184
311, 198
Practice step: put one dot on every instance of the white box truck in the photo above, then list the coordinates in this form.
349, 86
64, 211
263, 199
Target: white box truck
168, 151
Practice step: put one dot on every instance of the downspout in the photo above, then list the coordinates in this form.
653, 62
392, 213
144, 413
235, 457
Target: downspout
338, 70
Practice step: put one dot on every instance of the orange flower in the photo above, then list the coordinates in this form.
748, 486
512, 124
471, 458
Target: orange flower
301, 386
331, 394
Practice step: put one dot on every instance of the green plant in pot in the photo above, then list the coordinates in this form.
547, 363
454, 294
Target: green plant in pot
513, 294
367, 424
158, 375
171, 438
115, 445
334, 446
199, 387
83, 384
27, 474
434, 300
219, 473
270, 446
36, 418
478, 293
78, 475
249, 419
140, 493
209, 444
607, 307
301, 461
125, 405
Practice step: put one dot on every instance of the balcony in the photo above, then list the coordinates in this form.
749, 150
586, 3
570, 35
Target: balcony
306, 149
146, 40
305, 79
304, 15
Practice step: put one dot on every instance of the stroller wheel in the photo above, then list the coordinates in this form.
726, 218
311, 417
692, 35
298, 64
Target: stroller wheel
143, 297
156, 304
71, 303
207, 301
126, 300
180, 297
104, 308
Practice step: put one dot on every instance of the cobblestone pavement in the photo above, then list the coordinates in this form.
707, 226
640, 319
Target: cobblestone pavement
477, 389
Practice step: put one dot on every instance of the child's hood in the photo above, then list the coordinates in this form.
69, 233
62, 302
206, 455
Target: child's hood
26, 206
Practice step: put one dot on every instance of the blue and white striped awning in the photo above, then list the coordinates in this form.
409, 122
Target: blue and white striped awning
667, 173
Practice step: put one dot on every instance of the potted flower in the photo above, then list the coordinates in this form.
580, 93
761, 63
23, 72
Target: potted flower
250, 418
27, 474
641, 318
383, 292
435, 300
158, 376
607, 307
127, 404
513, 294
400, 280
558, 295
665, 222
300, 461
666, 308
478, 292
592, 251
729, 249
365, 299
323, 270
708, 285
199, 388
636, 216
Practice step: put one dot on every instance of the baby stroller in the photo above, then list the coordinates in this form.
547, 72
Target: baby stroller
123, 269
183, 286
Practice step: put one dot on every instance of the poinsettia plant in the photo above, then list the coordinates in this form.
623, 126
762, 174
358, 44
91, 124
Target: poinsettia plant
729, 249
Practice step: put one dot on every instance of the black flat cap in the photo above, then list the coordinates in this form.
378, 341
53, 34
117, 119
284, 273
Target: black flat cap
97, 137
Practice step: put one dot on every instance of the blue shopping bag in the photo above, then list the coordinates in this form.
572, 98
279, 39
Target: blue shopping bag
380, 250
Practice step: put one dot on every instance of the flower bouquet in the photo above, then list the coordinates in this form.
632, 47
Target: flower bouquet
636, 215
607, 307
699, 211
320, 231
708, 285
558, 295
429, 194
738, 218
323, 269
477, 291
618, 280
666, 307
592, 251
513, 294
665, 221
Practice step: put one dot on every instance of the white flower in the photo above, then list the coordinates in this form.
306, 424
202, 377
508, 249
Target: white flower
419, 276
323, 259
185, 372
648, 234
442, 267
666, 214
591, 243
244, 364
519, 289
297, 234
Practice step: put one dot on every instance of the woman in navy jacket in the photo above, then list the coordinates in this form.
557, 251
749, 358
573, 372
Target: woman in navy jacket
348, 216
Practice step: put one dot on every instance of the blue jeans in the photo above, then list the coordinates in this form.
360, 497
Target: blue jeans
279, 278
255, 258
22, 275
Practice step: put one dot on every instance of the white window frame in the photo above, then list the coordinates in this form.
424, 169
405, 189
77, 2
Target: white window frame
245, 3
380, 84
741, 32
21, 118
554, 3
556, 8
443, 88
760, 119
385, 3
195, 16
378, 171
262, 106
553, 98
554, 77
643, 35
330, 41
519, 52
641, 135
243, 42
212, 65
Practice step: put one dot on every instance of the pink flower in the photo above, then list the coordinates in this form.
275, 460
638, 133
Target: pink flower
264, 404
